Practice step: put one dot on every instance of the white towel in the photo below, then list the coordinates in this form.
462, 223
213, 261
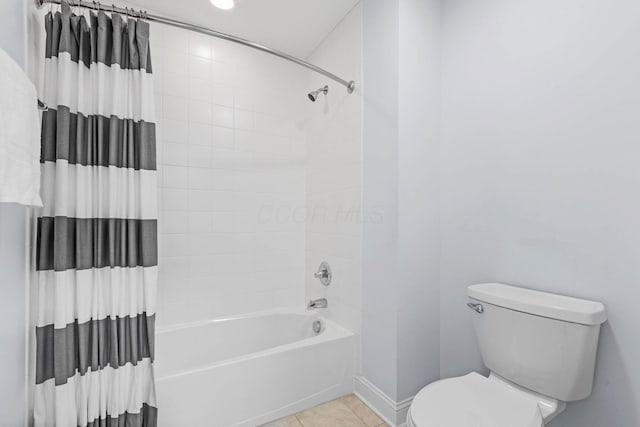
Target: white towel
19, 136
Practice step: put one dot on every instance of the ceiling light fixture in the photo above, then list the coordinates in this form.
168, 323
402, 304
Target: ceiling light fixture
223, 4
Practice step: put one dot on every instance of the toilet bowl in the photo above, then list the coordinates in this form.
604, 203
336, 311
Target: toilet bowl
540, 349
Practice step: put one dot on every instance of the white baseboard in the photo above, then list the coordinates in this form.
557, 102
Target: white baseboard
392, 412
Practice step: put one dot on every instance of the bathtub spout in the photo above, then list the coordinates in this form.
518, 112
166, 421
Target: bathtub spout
317, 303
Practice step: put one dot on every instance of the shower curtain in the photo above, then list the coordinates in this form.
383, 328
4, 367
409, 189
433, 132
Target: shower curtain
96, 262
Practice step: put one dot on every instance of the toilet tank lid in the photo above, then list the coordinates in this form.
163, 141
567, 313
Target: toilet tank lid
538, 303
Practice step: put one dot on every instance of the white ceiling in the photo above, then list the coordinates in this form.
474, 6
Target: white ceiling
294, 26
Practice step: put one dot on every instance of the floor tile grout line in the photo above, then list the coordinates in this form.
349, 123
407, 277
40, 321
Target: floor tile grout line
357, 416
368, 408
353, 412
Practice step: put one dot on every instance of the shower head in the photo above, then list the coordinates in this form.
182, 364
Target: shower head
313, 96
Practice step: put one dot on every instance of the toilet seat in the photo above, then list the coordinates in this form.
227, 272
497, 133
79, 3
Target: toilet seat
473, 401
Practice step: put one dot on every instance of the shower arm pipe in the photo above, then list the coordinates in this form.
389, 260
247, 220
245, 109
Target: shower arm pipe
350, 85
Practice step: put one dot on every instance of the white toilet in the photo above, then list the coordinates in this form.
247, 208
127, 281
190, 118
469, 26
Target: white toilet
540, 349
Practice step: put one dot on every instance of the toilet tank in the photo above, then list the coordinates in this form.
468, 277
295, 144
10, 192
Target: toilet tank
544, 342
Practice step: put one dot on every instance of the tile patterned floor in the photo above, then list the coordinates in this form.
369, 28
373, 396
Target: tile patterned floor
347, 411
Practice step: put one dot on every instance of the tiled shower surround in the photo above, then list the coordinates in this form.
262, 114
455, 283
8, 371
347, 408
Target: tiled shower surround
232, 178
334, 170
236, 225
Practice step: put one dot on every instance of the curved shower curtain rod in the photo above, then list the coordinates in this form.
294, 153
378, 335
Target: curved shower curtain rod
350, 85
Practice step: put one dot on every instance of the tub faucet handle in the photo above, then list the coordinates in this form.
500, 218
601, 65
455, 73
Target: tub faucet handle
323, 273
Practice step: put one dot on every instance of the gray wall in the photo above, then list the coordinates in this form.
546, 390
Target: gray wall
418, 237
12, 254
540, 174
379, 193
400, 227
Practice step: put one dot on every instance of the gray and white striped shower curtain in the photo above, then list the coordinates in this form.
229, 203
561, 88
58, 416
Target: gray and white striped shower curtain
97, 233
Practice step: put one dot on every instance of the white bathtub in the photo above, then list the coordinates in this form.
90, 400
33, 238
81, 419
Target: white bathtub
248, 370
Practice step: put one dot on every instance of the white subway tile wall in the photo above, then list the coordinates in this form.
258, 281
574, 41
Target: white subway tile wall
257, 185
232, 168
333, 178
